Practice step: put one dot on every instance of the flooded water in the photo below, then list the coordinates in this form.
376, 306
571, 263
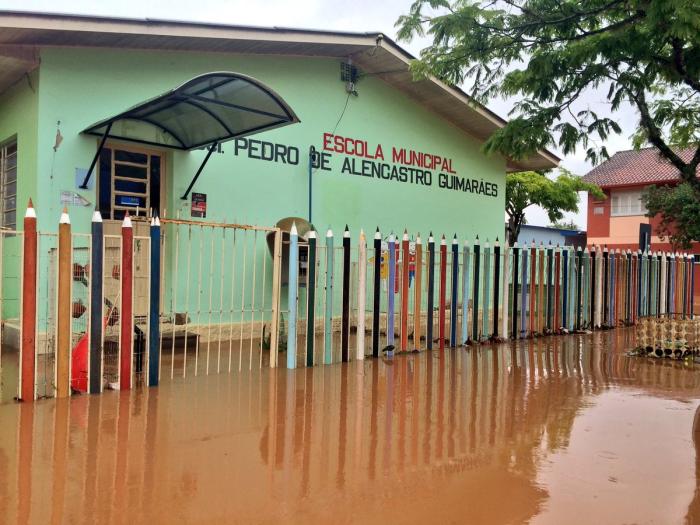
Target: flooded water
562, 431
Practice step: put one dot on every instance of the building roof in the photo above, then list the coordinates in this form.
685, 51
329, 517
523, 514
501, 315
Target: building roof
636, 167
22, 34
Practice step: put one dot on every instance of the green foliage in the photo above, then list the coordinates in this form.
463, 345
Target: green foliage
555, 196
565, 225
548, 54
679, 207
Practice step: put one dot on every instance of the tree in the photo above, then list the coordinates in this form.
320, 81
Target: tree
679, 207
555, 196
564, 225
553, 55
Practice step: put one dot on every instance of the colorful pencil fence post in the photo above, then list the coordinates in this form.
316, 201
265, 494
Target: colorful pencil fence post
417, 299
594, 284
565, 287
465, 293
154, 314
63, 314
585, 278
691, 298
345, 322
557, 288
96, 309
506, 289
533, 288
127, 305
443, 292
328, 317
361, 292
612, 289
628, 289
405, 258
579, 275
540, 301
572, 289
431, 291
392, 296
550, 259
311, 299
27, 378
475, 293
523, 294
650, 277
455, 287
672, 290
292, 296
376, 297
663, 285
516, 268
659, 259
496, 285
487, 291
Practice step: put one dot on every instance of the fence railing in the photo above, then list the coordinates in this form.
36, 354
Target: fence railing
171, 298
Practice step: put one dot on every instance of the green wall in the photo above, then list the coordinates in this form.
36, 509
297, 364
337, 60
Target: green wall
19, 118
82, 86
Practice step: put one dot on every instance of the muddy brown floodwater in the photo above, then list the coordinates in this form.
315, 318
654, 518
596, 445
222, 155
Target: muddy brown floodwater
562, 430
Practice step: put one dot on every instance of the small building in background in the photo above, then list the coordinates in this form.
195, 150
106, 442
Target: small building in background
620, 220
547, 235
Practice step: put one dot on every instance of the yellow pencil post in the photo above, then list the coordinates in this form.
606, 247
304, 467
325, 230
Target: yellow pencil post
63, 318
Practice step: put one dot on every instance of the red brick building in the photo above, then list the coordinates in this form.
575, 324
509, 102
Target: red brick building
620, 221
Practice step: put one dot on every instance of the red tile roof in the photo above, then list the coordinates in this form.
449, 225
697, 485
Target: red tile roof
636, 167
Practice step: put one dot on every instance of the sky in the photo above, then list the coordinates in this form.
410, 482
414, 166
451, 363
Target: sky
340, 15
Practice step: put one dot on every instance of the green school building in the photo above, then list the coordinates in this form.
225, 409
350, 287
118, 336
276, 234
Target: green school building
358, 142
390, 151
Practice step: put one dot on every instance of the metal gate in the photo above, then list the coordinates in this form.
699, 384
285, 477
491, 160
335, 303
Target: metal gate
219, 297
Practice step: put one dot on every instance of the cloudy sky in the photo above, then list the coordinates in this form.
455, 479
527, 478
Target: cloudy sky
341, 15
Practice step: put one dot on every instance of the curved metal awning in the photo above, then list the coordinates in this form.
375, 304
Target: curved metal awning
211, 108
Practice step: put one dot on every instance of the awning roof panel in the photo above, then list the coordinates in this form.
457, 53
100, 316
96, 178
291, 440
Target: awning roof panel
214, 107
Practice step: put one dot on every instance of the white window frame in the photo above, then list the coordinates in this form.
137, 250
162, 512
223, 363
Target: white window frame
626, 203
4, 183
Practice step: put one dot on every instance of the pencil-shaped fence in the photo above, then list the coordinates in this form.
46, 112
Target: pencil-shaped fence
407, 296
140, 300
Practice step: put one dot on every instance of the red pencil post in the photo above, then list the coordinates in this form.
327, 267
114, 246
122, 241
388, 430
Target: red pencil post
127, 307
29, 268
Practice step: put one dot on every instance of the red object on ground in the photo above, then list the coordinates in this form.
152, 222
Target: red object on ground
79, 365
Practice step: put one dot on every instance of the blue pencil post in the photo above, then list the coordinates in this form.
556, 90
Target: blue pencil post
292, 291
392, 294
96, 271
154, 307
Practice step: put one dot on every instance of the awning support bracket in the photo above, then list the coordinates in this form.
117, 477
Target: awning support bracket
213, 147
84, 185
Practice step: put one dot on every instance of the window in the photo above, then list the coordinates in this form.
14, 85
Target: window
598, 210
129, 181
627, 202
8, 185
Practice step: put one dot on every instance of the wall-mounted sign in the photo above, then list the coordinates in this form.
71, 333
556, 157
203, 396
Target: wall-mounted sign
359, 157
199, 205
71, 198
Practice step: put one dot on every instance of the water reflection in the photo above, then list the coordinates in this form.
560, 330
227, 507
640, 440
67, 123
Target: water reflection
475, 435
